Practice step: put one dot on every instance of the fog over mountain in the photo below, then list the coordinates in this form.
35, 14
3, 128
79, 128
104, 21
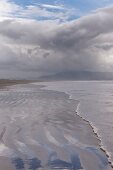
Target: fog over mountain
78, 75
30, 47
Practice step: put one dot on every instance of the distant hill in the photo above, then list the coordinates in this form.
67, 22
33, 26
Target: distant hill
79, 75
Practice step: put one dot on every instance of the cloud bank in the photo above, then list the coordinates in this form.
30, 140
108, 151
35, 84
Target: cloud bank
30, 47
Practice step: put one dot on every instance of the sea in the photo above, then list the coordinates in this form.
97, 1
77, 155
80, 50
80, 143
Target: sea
95, 105
62, 125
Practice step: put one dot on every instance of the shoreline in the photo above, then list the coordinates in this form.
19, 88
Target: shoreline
94, 129
7, 82
80, 136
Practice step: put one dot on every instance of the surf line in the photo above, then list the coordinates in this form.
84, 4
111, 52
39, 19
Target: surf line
95, 131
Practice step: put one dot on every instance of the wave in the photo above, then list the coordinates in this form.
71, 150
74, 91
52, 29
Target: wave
96, 132
93, 127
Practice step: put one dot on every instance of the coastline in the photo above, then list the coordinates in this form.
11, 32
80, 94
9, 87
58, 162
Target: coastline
7, 82
94, 129
79, 135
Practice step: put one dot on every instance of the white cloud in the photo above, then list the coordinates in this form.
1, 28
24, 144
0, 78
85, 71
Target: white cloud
8, 8
48, 11
59, 7
50, 46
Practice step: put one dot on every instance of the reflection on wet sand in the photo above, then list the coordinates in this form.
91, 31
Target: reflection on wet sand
35, 163
19, 163
40, 130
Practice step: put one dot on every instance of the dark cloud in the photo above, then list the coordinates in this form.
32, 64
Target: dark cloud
49, 46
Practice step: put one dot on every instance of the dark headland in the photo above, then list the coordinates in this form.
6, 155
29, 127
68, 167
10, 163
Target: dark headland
79, 75
8, 82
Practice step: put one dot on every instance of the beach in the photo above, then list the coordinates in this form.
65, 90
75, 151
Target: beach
7, 82
42, 129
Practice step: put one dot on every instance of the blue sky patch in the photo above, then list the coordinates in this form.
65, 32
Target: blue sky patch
50, 9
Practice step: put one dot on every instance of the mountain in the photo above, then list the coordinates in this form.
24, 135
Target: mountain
79, 75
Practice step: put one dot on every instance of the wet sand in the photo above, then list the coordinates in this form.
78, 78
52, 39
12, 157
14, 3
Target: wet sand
7, 82
39, 129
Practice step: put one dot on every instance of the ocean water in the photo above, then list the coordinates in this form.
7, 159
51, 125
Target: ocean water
40, 130
95, 105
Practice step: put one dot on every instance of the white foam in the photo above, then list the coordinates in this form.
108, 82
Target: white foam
96, 132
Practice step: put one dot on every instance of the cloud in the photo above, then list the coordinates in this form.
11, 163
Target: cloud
9, 9
58, 7
48, 46
48, 11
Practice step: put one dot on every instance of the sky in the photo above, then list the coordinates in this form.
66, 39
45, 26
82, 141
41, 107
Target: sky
40, 37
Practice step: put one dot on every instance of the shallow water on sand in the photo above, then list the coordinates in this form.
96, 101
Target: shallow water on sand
96, 105
40, 130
